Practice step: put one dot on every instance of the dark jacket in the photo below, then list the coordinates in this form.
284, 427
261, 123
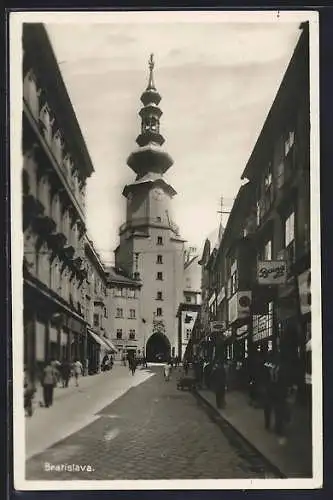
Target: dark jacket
218, 377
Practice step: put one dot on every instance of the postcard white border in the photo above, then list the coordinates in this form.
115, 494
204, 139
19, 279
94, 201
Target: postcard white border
15, 51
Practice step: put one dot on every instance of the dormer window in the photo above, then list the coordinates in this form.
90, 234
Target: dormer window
58, 145
46, 122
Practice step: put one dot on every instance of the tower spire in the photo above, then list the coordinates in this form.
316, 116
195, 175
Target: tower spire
151, 64
150, 156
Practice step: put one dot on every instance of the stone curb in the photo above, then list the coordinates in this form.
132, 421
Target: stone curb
226, 422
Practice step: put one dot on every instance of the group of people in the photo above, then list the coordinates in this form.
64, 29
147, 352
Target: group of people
274, 389
54, 372
271, 386
107, 363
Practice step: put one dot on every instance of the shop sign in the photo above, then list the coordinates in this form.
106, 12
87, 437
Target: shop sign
242, 331
304, 289
221, 296
211, 300
239, 306
271, 272
262, 327
217, 326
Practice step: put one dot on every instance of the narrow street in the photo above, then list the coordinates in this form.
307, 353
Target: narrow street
152, 431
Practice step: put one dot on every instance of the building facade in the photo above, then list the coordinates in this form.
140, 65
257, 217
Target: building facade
256, 284
56, 165
188, 309
124, 321
97, 312
151, 248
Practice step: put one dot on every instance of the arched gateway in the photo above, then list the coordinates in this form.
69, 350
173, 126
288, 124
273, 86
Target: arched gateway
158, 348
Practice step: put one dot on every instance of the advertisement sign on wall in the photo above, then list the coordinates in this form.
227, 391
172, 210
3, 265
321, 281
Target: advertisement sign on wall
217, 326
221, 296
239, 305
271, 272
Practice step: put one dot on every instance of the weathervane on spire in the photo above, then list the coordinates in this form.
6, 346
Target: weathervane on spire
151, 64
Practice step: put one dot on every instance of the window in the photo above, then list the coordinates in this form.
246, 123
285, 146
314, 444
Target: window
132, 334
234, 283
96, 319
123, 292
117, 292
119, 333
188, 333
289, 229
132, 313
119, 312
159, 240
159, 259
268, 250
188, 298
159, 276
159, 311
131, 294
159, 296
289, 142
105, 312
268, 179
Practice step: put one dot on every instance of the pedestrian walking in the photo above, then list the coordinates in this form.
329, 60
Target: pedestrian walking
275, 397
185, 366
49, 382
132, 364
65, 372
167, 371
78, 370
218, 384
29, 391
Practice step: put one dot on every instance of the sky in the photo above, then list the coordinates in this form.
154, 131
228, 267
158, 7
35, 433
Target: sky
217, 81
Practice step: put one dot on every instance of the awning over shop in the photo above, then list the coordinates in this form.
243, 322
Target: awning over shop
110, 344
99, 340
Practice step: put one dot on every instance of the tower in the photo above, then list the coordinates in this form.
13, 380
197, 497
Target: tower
150, 248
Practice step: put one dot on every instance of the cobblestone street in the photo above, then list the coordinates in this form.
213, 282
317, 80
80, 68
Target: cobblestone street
153, 431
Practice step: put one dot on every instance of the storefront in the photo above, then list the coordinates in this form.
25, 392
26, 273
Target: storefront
304, 292
263, 331
51, 330
97, 349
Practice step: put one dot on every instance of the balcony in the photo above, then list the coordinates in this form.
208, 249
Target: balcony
32, 208
48, 160
67, 253
57, 242
43, 225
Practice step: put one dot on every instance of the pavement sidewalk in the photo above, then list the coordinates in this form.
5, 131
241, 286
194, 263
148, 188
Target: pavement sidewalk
294, 458
75, 407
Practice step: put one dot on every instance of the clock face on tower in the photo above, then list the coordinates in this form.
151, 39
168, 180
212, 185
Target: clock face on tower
158, 194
